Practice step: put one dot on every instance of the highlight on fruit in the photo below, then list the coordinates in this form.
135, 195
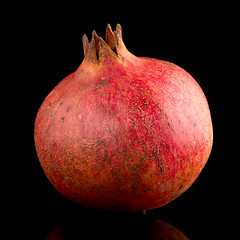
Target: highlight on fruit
123, 132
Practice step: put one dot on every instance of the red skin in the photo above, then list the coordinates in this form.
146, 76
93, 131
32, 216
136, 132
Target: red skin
123, 132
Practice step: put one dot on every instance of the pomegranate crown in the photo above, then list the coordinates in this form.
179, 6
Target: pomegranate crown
97, 48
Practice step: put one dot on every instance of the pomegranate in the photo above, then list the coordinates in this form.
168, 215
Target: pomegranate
123, 132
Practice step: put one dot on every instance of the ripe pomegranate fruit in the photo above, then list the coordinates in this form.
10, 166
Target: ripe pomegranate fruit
123, 132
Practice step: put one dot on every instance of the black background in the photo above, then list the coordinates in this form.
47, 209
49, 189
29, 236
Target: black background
46, 46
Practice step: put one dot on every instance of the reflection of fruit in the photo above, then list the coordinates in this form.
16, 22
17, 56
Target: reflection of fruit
163, 230
123, 132
141, 229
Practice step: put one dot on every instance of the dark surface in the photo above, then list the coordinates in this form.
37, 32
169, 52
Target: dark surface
48, 47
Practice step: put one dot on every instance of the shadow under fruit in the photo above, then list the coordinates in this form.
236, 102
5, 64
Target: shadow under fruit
134, 227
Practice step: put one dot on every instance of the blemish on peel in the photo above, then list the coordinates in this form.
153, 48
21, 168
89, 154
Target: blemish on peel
170, 126
49, 106
170, 64
156, 152
101, 84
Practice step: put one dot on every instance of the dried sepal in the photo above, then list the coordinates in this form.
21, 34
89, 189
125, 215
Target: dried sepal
98, 48
111, 38
119, 30
85, 44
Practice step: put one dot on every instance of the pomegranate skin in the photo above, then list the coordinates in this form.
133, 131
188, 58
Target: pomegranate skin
123, 132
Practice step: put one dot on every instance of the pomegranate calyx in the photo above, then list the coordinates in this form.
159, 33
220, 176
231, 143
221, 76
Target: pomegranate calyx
98, 49
111, 38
